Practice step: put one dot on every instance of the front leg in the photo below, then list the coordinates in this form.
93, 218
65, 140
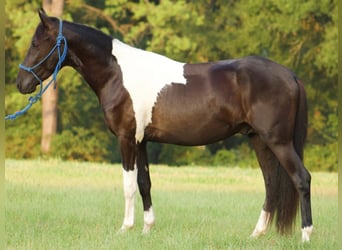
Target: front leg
128, 152
144, 183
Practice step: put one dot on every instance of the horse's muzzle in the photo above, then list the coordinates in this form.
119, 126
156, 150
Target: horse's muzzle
26, 85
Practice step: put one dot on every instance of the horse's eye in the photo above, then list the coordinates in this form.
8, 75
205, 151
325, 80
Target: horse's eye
34, 44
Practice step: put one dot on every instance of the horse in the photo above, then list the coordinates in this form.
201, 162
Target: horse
148, 97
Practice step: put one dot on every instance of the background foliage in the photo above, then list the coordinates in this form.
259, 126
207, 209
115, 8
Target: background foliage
301, 35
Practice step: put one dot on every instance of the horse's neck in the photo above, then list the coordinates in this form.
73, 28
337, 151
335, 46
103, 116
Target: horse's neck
90, 54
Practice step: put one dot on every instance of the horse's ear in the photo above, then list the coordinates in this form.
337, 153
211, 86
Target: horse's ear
44, 18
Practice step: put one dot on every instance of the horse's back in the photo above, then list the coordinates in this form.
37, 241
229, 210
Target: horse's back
256, 68
256, 79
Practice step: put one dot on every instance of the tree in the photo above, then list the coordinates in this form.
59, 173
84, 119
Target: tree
301, 35
50, 97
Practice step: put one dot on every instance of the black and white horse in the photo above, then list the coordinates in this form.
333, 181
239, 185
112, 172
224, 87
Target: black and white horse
149, 97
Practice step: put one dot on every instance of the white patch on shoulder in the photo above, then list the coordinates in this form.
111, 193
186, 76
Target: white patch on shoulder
145, 74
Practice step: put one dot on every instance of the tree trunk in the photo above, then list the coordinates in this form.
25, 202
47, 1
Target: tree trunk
50, 97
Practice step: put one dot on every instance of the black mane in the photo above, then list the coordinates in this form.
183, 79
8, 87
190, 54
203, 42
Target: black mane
97, 38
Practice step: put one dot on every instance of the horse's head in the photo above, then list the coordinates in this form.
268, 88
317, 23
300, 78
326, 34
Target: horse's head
35, 67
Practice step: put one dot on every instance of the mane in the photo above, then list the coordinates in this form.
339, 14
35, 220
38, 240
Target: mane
91, 35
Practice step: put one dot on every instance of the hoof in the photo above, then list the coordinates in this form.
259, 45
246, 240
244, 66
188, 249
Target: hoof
147, 228
257, 233
124, 229
306, 232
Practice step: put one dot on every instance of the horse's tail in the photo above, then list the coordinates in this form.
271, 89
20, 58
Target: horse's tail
285, 196
301, 121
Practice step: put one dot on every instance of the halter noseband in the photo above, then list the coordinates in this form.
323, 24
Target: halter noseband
61, 58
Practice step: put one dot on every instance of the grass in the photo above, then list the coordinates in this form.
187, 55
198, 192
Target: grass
69, 205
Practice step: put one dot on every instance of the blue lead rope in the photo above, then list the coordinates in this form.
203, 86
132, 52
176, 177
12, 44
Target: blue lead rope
61, 58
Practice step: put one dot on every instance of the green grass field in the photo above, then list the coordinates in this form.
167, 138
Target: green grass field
70, 205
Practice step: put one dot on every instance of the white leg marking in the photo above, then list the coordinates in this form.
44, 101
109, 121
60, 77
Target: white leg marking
306, 232
262, 224
148, 220
130, 188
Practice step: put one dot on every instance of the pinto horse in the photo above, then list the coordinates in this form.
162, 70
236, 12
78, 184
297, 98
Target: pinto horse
148, 97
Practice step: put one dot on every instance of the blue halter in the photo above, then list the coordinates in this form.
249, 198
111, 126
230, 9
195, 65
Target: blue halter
61, 58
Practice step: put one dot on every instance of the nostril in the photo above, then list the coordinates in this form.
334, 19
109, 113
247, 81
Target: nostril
18, 83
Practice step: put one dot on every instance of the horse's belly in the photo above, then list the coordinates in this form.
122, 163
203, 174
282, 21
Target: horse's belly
189, 133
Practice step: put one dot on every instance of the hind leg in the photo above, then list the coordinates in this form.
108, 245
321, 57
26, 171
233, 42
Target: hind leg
268, 164
301, 179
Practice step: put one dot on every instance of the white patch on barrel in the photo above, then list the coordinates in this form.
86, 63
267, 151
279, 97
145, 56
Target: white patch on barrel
145, 74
